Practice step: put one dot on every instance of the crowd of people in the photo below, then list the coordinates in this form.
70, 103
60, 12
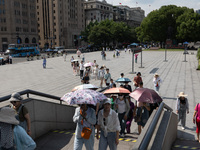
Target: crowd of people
111, 120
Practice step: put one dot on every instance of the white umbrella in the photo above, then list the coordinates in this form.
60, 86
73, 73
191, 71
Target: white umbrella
85, 86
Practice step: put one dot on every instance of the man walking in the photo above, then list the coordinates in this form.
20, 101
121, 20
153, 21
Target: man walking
107, 77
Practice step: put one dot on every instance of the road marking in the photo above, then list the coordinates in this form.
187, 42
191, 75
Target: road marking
185, 147
120, 139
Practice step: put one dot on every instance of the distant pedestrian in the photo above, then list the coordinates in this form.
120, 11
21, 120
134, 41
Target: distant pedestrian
182, 107
136, 57
78, 53
107, 77
101, 75
196, 119
10, 59
44, 62
83, 58
81, 69
121, 75
95, 72
137, 80
109, 125
64, 56
72, 60
13, 136
157, 81
111, 83
84, 117
127, 86
86, 79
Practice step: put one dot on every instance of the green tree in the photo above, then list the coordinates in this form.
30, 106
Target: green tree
188, 27
86, 32
165, 23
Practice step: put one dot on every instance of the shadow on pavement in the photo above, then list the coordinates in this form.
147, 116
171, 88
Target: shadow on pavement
53, 141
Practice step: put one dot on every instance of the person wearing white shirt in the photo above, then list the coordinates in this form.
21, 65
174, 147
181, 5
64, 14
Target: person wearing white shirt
109, 125
123, 107
157, 81
81, 69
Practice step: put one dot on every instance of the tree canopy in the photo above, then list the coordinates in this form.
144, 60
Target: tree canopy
108, 31
170, 22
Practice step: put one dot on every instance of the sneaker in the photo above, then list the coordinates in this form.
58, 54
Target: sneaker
183, 128
122, 135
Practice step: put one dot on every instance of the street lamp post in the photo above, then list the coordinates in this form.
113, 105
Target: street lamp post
133, 72
185, 51
165, 53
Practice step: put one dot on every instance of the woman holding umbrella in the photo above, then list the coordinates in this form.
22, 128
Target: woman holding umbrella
84, 117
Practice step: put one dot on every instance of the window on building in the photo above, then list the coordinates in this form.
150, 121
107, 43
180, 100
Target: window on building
4, 40
91, 6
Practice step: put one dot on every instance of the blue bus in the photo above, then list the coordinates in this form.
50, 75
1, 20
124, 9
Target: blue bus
22, 50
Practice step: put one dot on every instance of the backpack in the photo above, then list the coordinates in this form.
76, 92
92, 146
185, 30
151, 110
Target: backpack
130, 114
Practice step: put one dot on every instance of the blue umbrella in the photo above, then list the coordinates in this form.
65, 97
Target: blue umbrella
49, 50
134, 44
185, 43
122, 80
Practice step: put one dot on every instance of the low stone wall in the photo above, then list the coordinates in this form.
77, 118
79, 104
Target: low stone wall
46, 116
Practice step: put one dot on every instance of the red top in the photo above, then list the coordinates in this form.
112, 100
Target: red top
197, 108
137, 80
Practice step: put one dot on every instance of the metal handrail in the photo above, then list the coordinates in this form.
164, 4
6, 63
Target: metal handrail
145, 142
28, 91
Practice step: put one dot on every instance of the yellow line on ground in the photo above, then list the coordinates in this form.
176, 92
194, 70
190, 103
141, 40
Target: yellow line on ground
176, 145
121, 139
185, 146
194, 148
127, 140
134, 140
55, 131
67, 132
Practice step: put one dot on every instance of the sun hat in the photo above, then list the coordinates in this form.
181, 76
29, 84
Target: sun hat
108, 101
182, 94
7, 115
156, 74
15, 97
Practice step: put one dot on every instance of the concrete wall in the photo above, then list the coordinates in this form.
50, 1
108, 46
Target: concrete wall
164, 134
46, 116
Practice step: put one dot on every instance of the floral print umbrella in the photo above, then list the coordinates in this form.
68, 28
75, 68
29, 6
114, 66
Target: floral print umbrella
83, 96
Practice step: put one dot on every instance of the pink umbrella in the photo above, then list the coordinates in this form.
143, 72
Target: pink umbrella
78, 52
145, 95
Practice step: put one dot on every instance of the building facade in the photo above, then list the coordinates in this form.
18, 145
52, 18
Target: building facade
198, 11
97, 11
18, 24
60, 22
131, 16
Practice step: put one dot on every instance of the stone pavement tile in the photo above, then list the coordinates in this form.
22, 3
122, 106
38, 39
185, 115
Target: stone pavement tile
58, 79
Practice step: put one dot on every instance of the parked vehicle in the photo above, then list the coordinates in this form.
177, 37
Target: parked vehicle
22, 50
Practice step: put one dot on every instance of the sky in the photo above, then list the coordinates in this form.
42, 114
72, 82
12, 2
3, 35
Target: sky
150, 5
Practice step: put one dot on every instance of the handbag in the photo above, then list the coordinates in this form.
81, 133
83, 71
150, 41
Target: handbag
86, 132
138, 118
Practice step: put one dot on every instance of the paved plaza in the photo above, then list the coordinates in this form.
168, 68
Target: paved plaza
58, 79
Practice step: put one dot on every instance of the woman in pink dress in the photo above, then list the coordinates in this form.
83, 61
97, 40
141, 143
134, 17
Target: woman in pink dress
196, 119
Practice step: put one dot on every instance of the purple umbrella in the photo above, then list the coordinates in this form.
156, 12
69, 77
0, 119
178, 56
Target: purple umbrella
83, 96
145, 95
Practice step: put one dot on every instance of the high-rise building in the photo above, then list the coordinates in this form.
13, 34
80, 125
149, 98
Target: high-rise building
97, 11
60, 22
198, 11
18, 24
131, 16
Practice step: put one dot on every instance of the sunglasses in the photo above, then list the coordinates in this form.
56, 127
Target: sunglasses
14, 102
104, 121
